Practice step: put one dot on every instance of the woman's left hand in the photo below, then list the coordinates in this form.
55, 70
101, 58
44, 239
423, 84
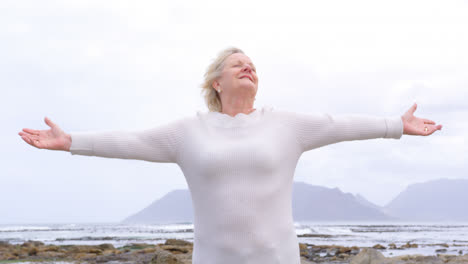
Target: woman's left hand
418, 126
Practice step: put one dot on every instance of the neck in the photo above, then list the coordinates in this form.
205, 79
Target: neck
234, 106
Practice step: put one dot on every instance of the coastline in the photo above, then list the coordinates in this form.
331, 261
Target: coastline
176, 251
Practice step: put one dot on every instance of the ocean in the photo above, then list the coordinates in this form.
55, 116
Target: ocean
430, 237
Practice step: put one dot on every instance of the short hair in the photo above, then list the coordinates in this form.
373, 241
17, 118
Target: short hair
213, 72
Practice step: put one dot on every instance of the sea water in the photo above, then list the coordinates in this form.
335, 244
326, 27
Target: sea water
428, 236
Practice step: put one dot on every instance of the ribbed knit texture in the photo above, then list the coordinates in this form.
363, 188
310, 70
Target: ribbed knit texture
240, 172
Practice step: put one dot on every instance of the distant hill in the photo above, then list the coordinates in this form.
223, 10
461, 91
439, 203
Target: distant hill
316, 203
174, 207
438, 200
310, 203
366, 202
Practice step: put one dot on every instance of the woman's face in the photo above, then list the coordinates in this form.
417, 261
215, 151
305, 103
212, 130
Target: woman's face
238, 77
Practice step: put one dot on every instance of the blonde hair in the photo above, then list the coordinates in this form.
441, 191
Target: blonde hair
213, 72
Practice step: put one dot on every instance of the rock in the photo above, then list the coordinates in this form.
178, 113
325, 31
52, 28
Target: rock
343, 250
96, 251
147, 250
409, 245
378, 246
106, 246
302, 246
310, 252
441, 250
50, 248
32, 251
51, 254
164, 257
392, 246
136, 246
178, 242
32, 244
177, 249
445, 257
84, 256
440, 244
368, 256
306, 261
7, 256
4, 244
459, 260
303, 250
331, 252
416, 259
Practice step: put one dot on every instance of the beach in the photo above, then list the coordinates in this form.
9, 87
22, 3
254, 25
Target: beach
175, 251
116, 243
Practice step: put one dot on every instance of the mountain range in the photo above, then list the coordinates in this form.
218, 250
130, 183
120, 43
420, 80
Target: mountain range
438, 200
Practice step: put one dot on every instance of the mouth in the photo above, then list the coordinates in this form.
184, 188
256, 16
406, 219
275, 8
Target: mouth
246, 76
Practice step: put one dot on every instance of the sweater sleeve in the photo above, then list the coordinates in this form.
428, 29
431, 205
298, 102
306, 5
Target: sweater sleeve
317, 130
158, 144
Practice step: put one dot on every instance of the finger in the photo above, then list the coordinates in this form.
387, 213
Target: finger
413, 108
31, 131
31, 137
26, 139
432, 129
427, 121
30, 141
21, 133
49, 122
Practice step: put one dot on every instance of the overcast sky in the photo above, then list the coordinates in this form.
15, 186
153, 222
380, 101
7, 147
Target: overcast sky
109, 65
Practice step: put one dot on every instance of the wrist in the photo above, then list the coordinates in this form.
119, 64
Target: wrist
404, 126
68, 141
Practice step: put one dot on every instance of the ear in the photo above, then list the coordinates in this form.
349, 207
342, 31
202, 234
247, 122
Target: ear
215, 85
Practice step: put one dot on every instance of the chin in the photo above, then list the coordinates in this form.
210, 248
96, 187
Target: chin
248, 86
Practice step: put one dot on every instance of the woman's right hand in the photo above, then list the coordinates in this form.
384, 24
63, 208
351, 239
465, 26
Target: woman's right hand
53, 139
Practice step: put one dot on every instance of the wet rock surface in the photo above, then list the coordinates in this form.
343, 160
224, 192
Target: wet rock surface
171, 252
175, 251
373, 256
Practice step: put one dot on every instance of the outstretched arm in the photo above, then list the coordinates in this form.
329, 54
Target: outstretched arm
413, 125
158, 144
317, 130
314, 130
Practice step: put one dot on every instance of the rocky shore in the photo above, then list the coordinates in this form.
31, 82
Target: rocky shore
180, 252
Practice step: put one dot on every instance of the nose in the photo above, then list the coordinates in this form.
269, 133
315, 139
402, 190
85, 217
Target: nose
247, 68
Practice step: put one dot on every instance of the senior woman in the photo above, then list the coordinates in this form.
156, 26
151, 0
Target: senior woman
238, 161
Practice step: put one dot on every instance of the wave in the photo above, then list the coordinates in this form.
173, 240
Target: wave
11, 229
107, 238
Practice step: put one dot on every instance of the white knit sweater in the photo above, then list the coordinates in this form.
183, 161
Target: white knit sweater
239, 171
